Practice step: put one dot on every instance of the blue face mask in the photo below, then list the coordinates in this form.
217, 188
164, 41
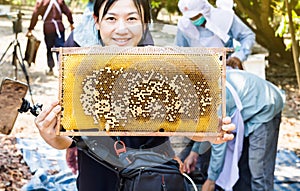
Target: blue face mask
199, 21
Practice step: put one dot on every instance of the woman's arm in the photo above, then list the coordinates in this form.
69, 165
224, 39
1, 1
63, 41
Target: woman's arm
46, 123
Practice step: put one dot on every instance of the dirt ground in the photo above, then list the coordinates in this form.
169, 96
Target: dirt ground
13, 170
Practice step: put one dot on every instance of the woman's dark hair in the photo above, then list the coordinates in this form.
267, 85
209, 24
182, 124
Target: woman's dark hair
145, 4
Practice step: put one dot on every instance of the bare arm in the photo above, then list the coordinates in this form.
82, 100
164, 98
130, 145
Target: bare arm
46, 123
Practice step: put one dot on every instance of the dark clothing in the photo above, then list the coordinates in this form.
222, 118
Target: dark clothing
94, 176
256, 166
49, 27
264, 139
70, 41
52, 40
53, 26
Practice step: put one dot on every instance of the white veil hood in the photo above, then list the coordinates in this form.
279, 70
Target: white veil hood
218, 20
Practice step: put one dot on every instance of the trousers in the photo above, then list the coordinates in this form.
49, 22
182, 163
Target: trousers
52, 40
257, 162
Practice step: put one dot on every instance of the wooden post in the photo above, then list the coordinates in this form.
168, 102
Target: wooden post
295, 45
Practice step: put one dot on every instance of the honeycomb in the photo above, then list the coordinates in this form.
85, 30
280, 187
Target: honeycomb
141, 89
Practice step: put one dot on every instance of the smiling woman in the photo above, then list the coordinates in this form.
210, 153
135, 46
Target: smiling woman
119, 23
119, 26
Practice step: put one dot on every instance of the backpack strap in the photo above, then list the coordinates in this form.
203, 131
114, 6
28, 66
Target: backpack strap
98, 152
53, 2
50, 7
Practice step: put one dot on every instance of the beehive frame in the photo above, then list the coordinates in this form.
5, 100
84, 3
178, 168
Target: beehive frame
141, 91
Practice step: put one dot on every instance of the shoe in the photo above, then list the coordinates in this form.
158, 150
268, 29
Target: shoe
50, 73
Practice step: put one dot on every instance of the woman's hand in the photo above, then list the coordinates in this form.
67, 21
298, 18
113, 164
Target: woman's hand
226, 133
46, 122
227, 129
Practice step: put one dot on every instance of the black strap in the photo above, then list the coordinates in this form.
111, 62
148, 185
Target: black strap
73, 144
100, 153
95, 157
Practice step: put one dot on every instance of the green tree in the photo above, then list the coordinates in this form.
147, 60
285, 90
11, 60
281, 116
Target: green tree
268, 19
157, 5
4, 2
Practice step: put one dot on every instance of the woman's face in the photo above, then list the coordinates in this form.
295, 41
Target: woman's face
122, 25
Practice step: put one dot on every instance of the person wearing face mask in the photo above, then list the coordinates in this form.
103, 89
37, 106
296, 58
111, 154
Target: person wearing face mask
203, 25
122, 23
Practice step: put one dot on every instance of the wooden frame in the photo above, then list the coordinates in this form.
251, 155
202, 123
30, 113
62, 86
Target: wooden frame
83, 64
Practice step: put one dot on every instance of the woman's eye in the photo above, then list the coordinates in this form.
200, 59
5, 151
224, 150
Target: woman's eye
132, 19
110, 19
